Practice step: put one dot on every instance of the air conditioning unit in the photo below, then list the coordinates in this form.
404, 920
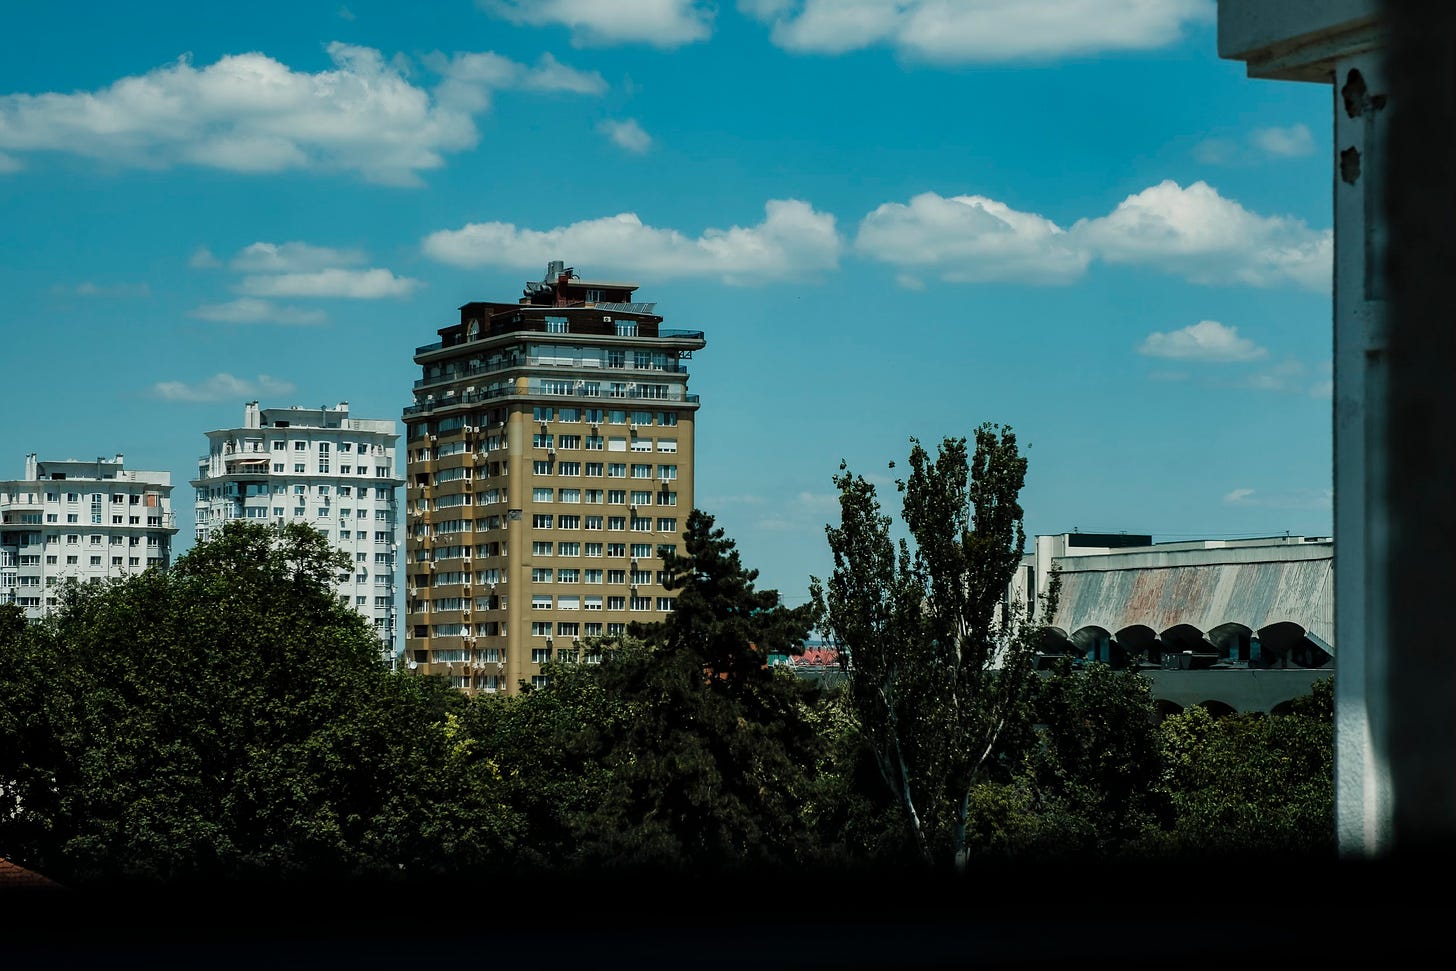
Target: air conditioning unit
632, 427
551, 451
433, 439
414, 591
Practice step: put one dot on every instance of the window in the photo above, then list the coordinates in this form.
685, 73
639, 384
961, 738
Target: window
556, 325
593, 522
592, 576
540, 628
279, 446
570, 495
300, 446
641, 497
568, 468
641, 551
667, 472
541, 413
541, 440
617, 603
664, 604
626, 328
595, 443
593, 549
540, 601
568, 576
540, 467
540, 574
569, 549
667, 498
540, 655
539, 521
616, 522
568, 629
540, 548
568, 522
541, 495
641, 603
617, 497
594, 468
568, 603
668, 525
616, 549
641, 444
641, 471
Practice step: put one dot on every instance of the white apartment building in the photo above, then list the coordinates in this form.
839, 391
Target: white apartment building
88, 519
321, 467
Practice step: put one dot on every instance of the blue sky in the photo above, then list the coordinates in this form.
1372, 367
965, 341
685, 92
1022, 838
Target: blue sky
890, 217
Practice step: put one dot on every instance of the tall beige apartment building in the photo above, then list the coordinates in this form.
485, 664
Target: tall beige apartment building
549, 464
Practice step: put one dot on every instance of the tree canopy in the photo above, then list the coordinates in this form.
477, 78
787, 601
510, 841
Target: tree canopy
938, 671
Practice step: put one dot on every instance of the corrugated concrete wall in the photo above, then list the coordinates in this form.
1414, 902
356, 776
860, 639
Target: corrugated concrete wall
1205, 595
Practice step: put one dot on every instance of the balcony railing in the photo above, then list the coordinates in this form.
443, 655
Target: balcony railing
529, 361
599, 395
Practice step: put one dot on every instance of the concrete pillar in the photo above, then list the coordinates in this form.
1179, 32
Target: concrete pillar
1343, 43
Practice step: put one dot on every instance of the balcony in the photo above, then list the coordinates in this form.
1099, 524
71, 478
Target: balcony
595, 367
604, 395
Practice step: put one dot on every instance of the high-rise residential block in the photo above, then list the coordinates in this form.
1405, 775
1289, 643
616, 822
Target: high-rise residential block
80, 519
549, 465
321, 467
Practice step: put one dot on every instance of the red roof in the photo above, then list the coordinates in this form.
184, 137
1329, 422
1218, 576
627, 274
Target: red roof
14, 877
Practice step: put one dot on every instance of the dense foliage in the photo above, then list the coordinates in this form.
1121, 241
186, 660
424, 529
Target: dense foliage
229, 719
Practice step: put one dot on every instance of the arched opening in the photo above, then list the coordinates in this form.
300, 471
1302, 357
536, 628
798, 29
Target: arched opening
1050, 644
1234, 643
1278, 643
1094, 644
1218, 709
1186, 648
1163, 709
1285, 707
1141, 644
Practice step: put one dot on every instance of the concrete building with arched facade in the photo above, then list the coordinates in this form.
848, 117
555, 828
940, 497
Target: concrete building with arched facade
1233, 625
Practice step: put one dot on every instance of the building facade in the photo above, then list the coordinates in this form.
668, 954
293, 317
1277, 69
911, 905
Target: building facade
549, 463
1233, 625
86, 520
321, 467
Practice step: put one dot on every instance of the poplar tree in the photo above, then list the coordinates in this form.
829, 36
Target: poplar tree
939, 667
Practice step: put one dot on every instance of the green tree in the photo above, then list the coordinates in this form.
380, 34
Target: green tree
1094, 777
683, 747
228, 718
1252, 784
939, 673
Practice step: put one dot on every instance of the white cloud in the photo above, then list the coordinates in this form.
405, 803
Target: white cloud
221, 387
370, 284
1291, 499
1200, 235
1192, 232
965, 31
1289, 376
1290, 142
627, 135
112, 290
203, 259
1207, 340
469, 78
970, 239
792, 240
250, 113
251, 310
1284, 142
661, 23
1216, 151
263, 257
